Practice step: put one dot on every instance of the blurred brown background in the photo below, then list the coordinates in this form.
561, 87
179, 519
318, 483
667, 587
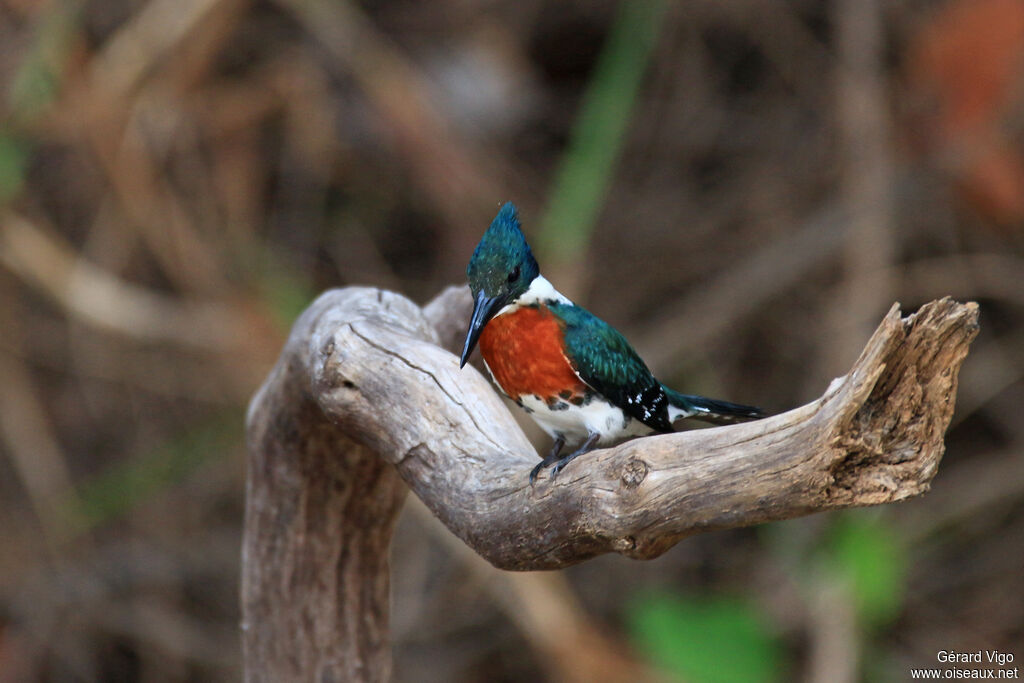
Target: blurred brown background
743, 188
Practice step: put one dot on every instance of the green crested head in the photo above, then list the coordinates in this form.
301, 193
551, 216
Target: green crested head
502, 264
500, 271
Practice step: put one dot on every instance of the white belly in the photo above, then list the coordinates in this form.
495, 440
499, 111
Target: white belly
575, 423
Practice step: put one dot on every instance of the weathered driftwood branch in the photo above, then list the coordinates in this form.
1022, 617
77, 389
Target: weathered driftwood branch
363, 397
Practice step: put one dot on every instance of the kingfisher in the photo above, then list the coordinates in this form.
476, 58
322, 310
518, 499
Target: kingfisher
573, 373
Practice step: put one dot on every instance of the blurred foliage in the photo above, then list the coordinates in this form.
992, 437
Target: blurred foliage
37, 81
586, 169
706, 639
865, 554
13, 154
113, 493
724, 639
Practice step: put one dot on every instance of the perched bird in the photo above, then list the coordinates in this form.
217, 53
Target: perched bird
575, 374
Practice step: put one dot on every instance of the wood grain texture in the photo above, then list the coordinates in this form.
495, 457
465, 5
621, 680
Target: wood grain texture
363, 398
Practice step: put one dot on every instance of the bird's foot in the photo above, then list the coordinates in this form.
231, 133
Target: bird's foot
552, 458
536, 470
558, 464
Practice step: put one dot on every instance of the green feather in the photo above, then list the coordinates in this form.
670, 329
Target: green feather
607, 363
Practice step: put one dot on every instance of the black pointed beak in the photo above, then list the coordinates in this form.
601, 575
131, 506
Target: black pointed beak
484, 309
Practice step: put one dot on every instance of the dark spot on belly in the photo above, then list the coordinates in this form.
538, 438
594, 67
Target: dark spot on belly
565, 394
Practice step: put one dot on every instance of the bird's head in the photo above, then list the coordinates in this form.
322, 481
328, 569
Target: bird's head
500, 271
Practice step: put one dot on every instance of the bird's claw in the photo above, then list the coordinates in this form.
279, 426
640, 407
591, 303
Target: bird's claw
535, 471
558, 464
555, 465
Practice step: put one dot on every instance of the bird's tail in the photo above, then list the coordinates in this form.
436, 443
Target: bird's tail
708, 409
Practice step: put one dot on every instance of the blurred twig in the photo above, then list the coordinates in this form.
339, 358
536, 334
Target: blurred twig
868, 176
998, 366
31, 441
110, 110
968, 490
833, 633
129, 56
998, 276
741, 290
460, 183
98, 298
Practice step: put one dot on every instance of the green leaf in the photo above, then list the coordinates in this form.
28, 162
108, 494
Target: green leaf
13, 156
706, 640
37, 80
598, 132
867, 553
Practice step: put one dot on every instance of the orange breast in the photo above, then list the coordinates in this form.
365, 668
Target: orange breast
523, 349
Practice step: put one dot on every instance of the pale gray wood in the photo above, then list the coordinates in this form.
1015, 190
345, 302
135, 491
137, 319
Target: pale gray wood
363, 395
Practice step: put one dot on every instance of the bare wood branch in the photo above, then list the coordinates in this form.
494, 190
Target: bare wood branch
363, 395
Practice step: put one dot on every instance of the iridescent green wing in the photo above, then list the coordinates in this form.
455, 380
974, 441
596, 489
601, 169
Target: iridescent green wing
606, 362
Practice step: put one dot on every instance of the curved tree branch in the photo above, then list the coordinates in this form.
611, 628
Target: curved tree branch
363, 394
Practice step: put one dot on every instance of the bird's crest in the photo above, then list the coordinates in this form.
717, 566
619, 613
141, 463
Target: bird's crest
502, 264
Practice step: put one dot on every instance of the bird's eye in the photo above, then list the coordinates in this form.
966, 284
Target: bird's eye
514, 275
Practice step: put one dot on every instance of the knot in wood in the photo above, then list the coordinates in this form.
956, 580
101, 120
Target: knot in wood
634, 472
